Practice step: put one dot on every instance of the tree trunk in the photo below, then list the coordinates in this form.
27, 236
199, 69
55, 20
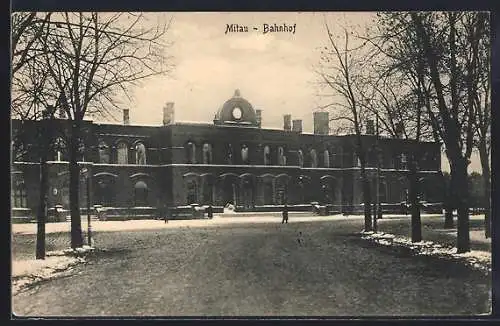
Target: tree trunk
483, 155
74, 187
46, 137
42, 209
416, 224
459, 172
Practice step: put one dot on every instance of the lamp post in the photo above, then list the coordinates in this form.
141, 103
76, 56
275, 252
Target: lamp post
85, 171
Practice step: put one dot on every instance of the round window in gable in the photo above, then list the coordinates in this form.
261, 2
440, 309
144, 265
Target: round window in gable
237, 113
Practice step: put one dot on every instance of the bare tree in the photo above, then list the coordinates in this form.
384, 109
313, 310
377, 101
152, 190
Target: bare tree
27, 29
400, 111
439, 38
29, 104
477, 54
439, 54
341, 71
401, 97
90, 60
458, 115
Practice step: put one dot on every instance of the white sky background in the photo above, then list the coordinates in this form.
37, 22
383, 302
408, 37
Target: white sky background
274, 71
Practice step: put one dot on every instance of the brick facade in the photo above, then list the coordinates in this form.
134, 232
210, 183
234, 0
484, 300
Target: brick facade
183, 163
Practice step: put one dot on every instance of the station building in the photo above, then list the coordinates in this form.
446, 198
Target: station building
138, 171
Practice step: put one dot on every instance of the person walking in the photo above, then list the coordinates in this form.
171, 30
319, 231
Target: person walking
166, 212
285, 214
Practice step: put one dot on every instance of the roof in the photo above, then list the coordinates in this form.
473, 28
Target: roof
225, 113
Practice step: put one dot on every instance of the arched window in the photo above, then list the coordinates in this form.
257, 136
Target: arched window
81, 150
268, 192
404, 161
314, 159
191, 152
19, 151
140, 154
356, 160
229, 154
104, 192
281, 156
104, 156
207, 153
267, 155
19, 198
281, 190
244, 154
326, 158
122, 153
140, 194
60, 149
301, 157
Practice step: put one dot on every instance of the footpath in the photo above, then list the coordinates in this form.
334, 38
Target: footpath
26, 272
30, 271
129, 225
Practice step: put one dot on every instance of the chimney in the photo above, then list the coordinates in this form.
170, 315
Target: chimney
297, 125
258, 117
126, 117
321, 123
168, 113
370, 127
287, 122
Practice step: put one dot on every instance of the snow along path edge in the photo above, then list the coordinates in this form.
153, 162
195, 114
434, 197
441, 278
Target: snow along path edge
479, 260
28, 273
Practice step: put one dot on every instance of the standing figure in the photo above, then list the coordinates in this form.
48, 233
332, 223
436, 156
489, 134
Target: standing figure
166, 212
285, 215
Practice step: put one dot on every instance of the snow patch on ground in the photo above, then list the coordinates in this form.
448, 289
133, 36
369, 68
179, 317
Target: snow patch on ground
26, 273
71, 252
480, 260
134, 225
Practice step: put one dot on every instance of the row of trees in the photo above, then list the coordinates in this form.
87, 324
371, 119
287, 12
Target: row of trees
426, 77
79, 65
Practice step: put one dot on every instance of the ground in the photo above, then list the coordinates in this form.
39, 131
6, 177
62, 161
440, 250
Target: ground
242, 268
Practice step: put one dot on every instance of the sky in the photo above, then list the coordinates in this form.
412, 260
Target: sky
273, 71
